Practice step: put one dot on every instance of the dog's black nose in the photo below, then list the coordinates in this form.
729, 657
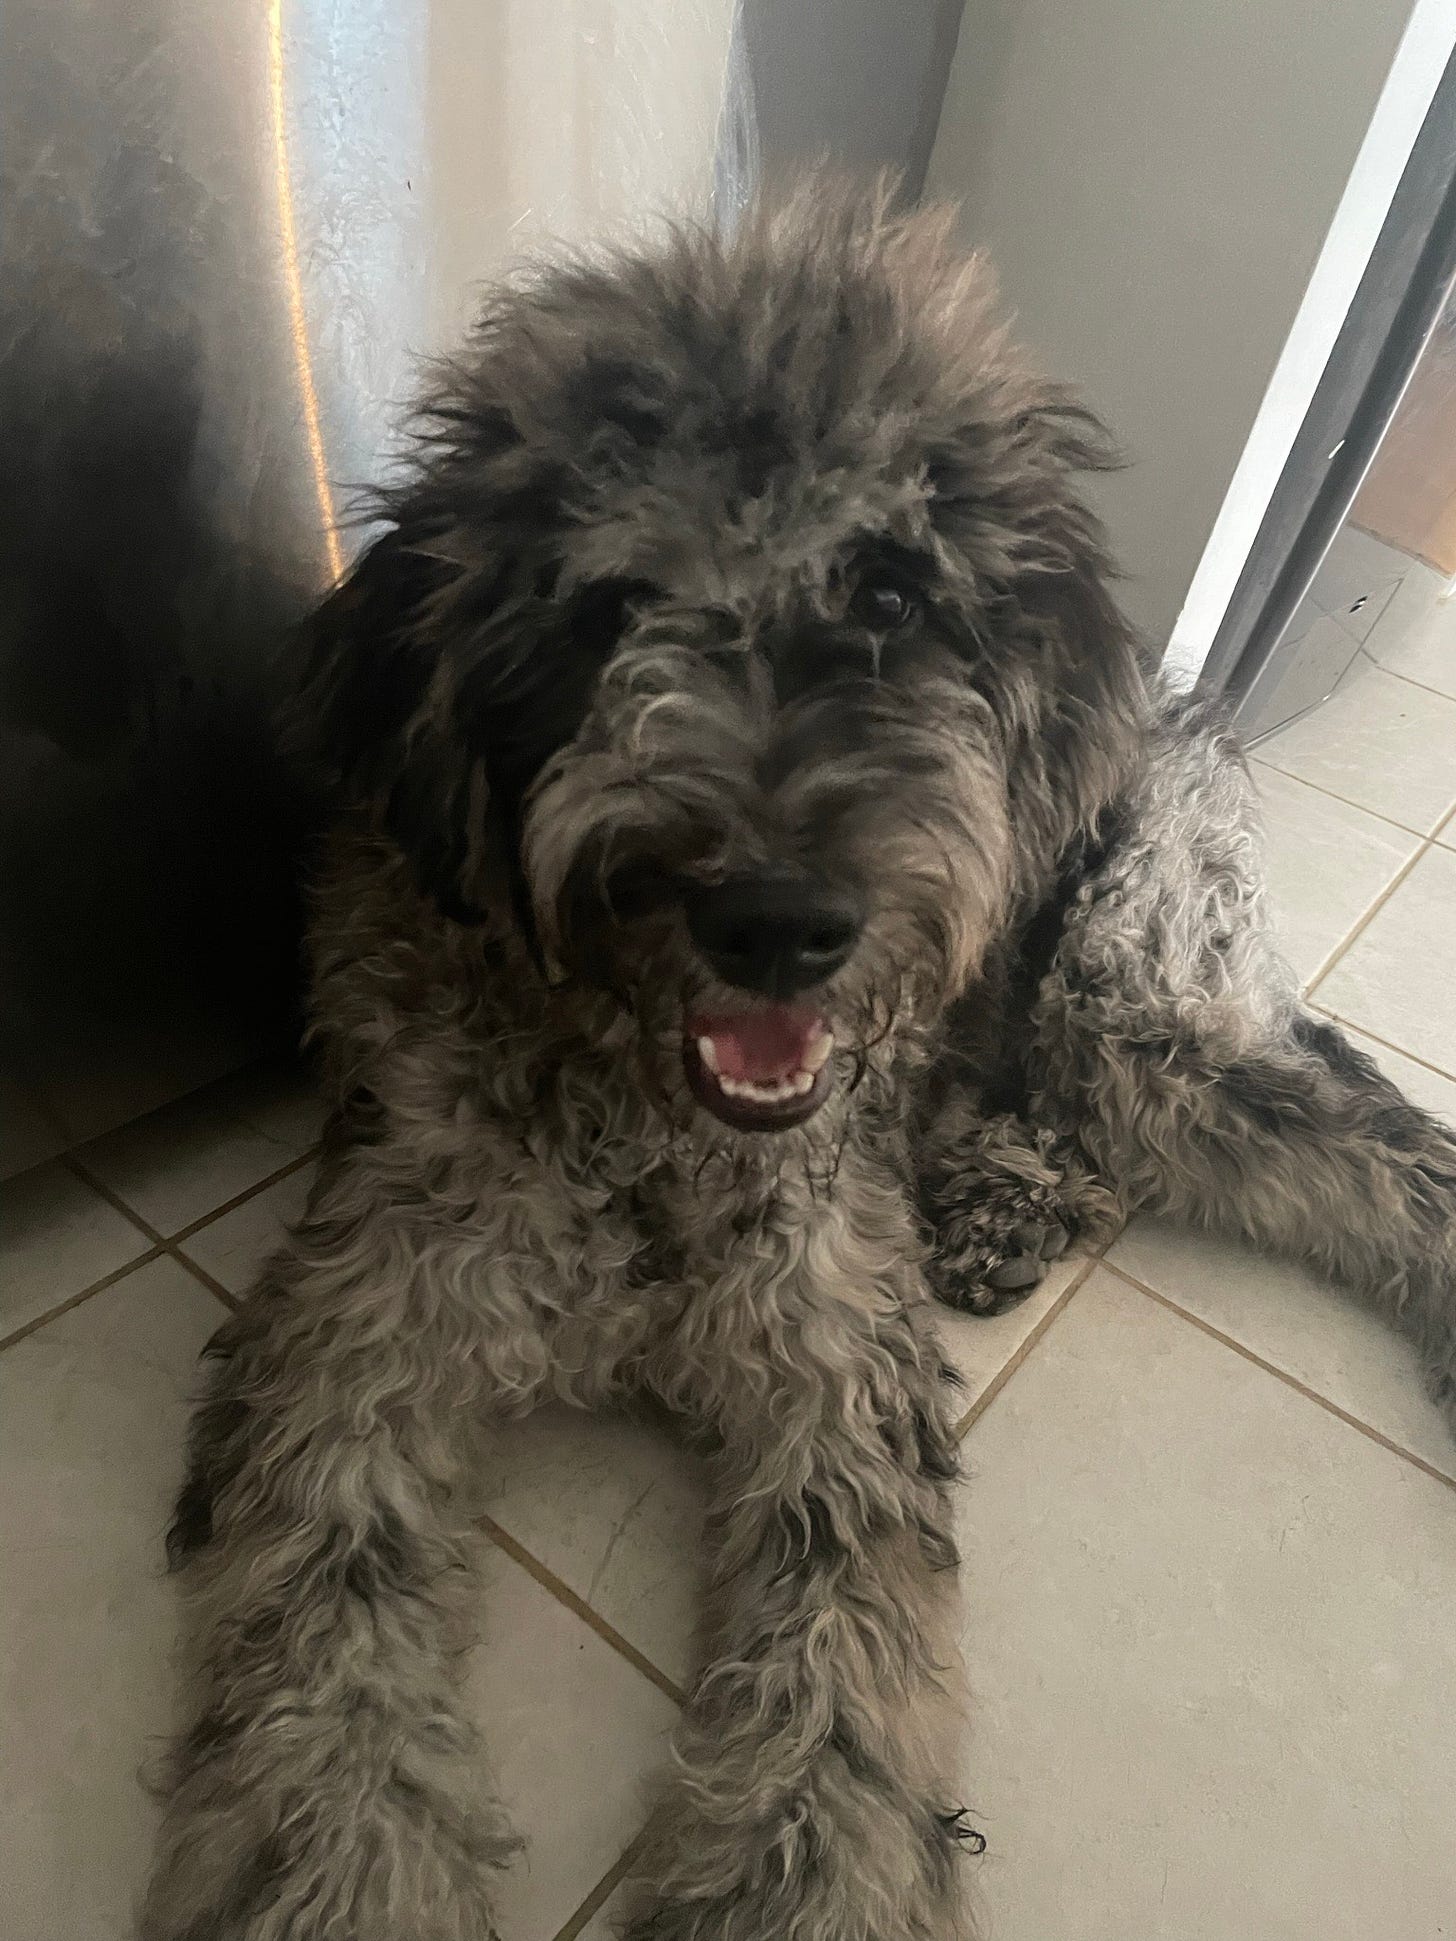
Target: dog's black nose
775, 932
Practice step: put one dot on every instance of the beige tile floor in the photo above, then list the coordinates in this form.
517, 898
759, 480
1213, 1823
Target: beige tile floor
1209, 1517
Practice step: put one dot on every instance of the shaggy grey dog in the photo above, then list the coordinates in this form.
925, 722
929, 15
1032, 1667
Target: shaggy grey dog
769, 888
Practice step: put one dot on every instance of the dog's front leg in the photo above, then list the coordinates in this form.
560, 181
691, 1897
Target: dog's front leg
815, 1791
328, 1787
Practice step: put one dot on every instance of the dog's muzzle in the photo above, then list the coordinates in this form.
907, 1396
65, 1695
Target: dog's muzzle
778, 934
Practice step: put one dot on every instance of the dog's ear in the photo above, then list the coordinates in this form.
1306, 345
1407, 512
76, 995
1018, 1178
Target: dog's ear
440, 677
375, 712
1064, 595
1065, 672
1064, 573
1068, 433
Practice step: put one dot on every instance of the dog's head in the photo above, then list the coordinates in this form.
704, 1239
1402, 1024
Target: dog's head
740, 636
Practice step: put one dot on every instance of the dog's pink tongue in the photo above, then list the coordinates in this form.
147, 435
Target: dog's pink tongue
759, 1045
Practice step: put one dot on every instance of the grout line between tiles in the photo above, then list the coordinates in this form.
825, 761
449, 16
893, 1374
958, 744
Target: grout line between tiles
214, 1287
163, 1247
564, 1594
604, 1889
1368, 916
75, 1300
1282, 1374
1009, 1367
1361, 808
1424, 687
171, 1244
114, 1200
241, 1199
169, 1241
1375, 1037
1394, 674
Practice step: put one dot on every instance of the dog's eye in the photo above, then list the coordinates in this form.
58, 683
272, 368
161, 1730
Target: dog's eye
883, 606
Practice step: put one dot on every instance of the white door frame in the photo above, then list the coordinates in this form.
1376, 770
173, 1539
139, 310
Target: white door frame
1420, 60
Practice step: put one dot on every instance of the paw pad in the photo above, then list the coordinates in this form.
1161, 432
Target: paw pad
1038, 1243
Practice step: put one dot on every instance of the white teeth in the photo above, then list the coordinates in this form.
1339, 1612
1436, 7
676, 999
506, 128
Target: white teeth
776, 1092
773, 1093
796, 1084
819, 1048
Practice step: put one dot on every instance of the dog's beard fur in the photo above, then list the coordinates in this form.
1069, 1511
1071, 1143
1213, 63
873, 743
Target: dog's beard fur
613, 647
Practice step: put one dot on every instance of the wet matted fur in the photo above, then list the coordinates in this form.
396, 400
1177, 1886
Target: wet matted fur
752, 562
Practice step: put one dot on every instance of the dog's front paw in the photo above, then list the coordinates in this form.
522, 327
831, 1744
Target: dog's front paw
1001, 1204
991, 1253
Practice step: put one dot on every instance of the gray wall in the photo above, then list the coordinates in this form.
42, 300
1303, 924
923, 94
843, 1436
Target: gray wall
860, 81
1154, 183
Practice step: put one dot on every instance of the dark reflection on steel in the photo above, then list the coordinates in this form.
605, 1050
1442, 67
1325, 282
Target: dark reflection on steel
209, 285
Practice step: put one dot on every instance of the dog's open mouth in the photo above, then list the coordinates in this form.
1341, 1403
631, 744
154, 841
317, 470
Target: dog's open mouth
760, 1071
